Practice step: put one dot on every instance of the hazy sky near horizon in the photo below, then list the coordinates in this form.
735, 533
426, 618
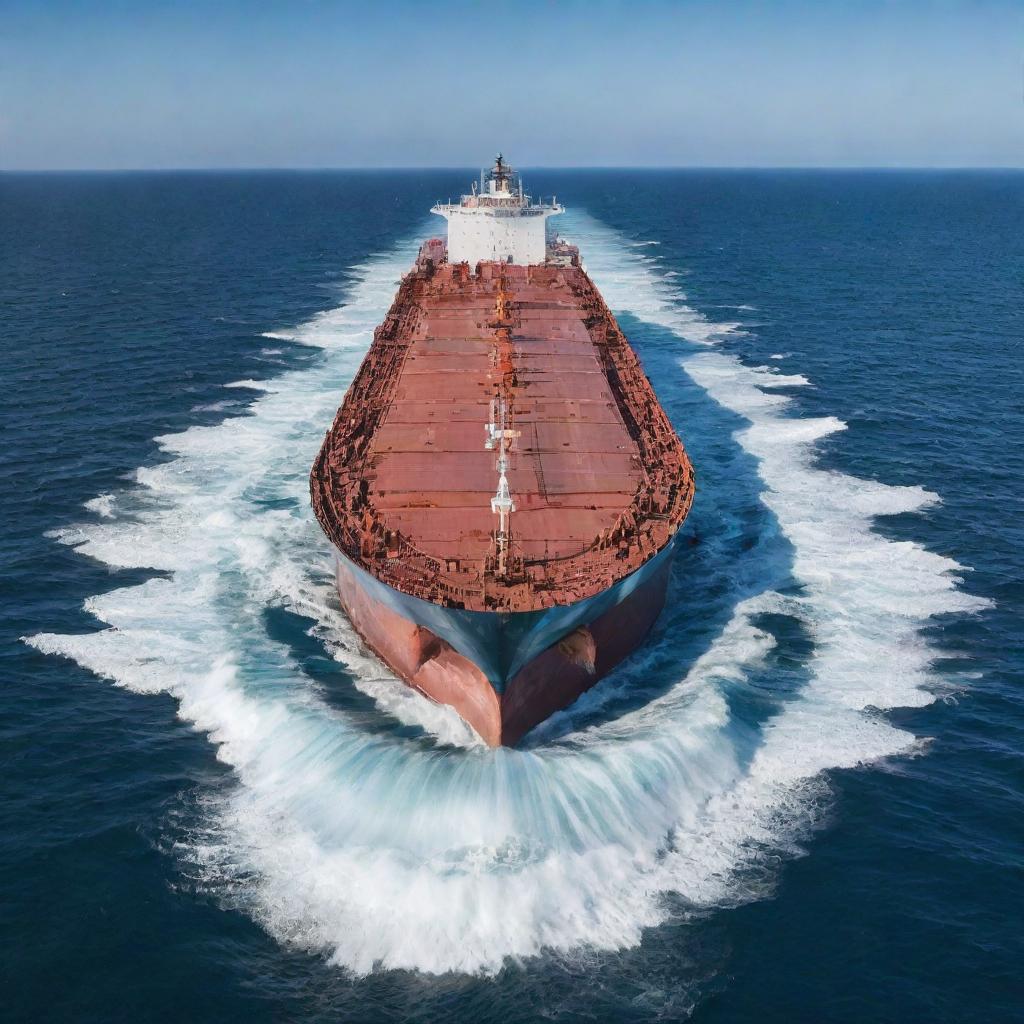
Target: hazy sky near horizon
312, 83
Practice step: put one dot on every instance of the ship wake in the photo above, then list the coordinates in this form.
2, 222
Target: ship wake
376, 831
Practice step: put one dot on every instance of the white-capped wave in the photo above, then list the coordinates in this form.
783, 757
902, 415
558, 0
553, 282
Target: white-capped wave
222, 406
251, 385
103, 505
382, 848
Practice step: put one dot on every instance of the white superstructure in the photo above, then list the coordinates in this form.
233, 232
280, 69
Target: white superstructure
497, 221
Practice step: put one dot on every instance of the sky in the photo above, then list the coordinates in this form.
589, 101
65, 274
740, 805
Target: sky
311, 83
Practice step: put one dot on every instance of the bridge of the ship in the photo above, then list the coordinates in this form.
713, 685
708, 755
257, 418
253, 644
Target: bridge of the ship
500, 446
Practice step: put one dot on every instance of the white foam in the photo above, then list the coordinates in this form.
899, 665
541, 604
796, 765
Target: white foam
103, 505
438, 855
865, 598
629, 285
252, 385
223, 406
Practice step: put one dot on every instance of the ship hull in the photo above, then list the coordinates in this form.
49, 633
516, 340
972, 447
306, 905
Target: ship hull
504, 673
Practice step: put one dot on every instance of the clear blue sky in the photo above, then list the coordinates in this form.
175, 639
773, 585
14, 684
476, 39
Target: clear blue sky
312, 83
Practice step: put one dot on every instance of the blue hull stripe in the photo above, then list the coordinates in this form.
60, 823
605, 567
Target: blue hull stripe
501, 643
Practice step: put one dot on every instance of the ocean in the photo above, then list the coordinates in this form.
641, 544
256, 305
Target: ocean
802, 800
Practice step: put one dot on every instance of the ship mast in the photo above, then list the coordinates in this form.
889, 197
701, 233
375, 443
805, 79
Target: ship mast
502, 504
499, 430
500, 175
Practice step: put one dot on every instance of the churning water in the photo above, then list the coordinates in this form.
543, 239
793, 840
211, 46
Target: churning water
360, 822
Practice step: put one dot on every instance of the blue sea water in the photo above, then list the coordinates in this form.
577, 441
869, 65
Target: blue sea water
802, 801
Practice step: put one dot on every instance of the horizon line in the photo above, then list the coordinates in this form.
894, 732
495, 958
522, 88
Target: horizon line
325, 168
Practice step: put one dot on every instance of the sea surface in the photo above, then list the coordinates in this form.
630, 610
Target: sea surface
803, 800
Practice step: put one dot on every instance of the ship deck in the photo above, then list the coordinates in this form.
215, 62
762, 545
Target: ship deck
404, 482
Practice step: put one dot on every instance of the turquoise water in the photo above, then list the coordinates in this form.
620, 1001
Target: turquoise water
801, 801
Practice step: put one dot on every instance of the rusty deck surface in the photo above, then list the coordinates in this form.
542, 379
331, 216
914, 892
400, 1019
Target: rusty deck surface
404, 483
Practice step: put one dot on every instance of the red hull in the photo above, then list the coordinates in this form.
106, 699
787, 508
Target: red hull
549, 683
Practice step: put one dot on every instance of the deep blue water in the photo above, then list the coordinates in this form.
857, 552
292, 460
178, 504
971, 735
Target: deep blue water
803, 801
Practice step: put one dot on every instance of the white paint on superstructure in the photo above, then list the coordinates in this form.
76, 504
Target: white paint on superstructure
499, 222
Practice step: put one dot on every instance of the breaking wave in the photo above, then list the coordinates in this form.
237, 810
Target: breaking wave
384, 835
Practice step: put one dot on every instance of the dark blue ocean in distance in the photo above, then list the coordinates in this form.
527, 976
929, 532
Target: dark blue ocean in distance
802, 801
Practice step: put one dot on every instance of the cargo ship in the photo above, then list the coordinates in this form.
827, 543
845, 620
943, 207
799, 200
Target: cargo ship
501, 485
